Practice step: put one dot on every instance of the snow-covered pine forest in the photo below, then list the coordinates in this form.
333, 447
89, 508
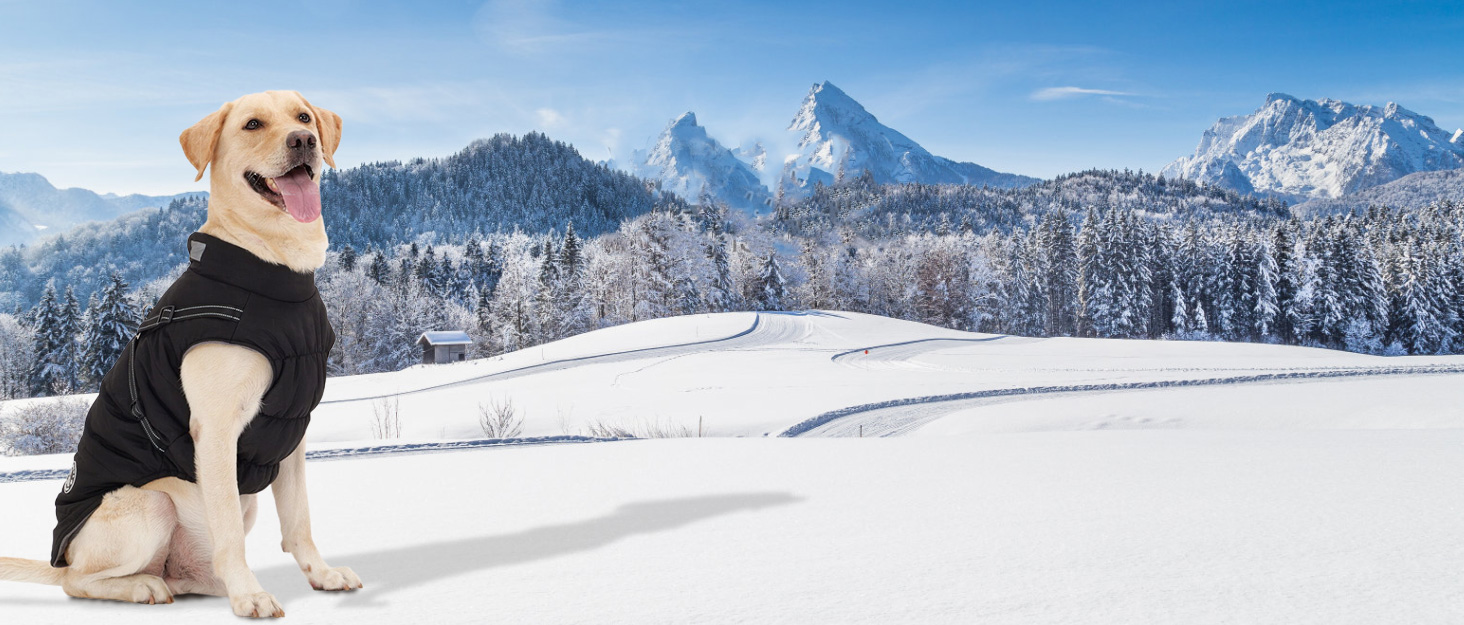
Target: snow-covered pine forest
532, 183
576, 246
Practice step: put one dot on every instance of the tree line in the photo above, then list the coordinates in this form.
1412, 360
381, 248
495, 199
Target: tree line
1095, 254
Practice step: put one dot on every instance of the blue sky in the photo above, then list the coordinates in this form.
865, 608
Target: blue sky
94, 94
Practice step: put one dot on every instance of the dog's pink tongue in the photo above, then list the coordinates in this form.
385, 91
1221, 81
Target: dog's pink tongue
302, 195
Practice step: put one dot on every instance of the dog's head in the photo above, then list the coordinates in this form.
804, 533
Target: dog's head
266, 150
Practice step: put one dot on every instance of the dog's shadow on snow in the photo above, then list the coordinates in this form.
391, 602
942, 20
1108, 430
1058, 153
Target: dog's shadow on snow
392, 570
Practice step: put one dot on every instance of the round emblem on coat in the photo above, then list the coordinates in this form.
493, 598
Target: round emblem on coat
70, 479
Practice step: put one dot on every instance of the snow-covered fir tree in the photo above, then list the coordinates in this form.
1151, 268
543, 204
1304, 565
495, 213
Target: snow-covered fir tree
110, 324
771, 286
17, 357
54, 371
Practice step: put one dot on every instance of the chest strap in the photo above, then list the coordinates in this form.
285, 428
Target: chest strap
164, 317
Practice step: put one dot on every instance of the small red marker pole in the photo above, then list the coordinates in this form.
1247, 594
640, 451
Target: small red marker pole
866, 352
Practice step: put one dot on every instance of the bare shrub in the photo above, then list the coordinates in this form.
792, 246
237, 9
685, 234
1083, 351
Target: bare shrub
602, 429
643, 429
43, 427
386, 419
500, 420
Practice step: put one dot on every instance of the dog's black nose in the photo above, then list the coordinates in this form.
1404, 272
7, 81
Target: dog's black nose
300, 140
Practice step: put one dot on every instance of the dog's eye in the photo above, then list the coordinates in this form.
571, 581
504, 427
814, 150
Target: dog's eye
304, 117
253, 124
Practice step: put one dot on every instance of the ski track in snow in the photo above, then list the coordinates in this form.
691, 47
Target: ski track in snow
901, 416
794, 331
356, 452
899, 355
755, 330
775, 332
903, 354
766, 330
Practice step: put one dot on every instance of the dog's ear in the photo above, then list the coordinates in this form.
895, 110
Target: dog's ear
200, 140
328, 124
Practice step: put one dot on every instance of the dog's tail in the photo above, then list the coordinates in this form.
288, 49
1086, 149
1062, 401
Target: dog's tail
33, 571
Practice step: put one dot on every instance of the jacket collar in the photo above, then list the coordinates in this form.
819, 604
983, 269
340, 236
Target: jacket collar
216, 259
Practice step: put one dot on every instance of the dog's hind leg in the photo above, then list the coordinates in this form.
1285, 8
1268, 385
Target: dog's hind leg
119, 553
189, 568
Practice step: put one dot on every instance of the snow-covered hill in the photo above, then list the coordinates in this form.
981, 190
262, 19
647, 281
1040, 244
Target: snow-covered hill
837, 135
1318, 148
762, 374
1231, 499
30, 207
691, 164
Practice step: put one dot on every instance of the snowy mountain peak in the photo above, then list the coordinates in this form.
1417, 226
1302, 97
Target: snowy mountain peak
687, 119
831, 105
691, 164
1318, 148
1458, 136
838, 136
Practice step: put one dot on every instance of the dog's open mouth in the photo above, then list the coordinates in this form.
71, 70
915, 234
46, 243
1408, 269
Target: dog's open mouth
296, 192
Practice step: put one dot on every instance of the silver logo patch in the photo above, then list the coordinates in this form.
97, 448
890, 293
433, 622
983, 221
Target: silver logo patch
70, 479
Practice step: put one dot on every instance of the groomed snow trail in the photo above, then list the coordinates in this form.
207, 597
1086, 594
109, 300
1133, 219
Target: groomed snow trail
901, 416
900, 355
756, 333
36, 475
768, 330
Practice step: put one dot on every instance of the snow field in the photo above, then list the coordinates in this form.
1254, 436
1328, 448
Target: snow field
1056, 527
775, 370
1314, 500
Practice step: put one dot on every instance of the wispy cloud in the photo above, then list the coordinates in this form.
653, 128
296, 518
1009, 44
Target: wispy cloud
527, 27
1065, 93
1006, 68
549, 119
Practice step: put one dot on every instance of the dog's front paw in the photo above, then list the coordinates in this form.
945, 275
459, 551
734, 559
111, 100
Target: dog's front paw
257, 605
338, 578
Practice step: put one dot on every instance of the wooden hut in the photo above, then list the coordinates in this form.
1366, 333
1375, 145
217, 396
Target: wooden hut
444, 346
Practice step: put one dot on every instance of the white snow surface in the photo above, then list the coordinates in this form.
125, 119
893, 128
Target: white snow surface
1309, 500
1318, 148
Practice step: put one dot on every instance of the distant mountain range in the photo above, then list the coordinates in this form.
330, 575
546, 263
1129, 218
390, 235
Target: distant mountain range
30, 207
1323, 155
834, 135
1300, 149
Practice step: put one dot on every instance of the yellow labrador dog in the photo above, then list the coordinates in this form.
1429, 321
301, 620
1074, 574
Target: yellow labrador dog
146, 542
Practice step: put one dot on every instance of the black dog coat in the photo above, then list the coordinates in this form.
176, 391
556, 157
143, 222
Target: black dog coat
137, 429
